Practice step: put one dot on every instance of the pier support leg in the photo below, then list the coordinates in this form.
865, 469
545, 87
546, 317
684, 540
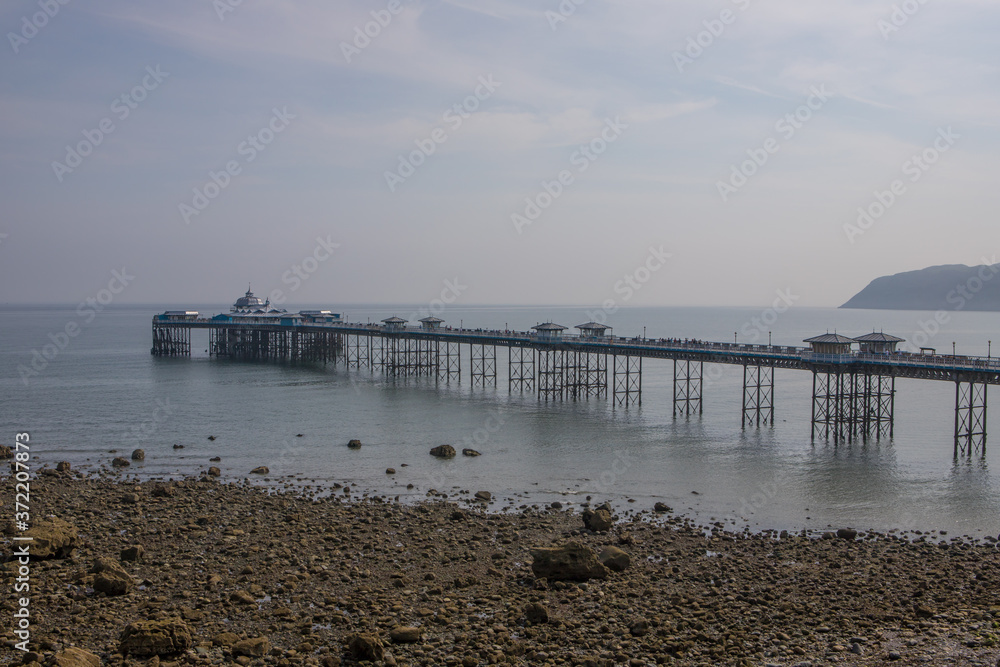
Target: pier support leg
171, 341
449, 361
378, 351
687, 386
627, 373
847, 406
483, 364
758, 395
551, 374
574, 379
520, 369
358, 351
595, 374
875, 402
970, 418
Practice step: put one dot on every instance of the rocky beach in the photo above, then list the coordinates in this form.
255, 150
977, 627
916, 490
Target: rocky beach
204, 571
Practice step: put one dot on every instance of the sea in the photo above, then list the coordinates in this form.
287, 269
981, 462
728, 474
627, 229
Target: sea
88, 397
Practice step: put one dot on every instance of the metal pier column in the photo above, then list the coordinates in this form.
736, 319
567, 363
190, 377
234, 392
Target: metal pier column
449, 361
520, 369
687, 386
758, 395
970, 418
483, 366
627, 373
551, 374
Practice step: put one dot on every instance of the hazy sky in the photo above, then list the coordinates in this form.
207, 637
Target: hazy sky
203, 145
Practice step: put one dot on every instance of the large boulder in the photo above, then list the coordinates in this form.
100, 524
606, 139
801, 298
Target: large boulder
138, 455
164, 637
76, 657
598, 520
113, 582
443, 452
53, 538
365, 647
614, 559
572, 561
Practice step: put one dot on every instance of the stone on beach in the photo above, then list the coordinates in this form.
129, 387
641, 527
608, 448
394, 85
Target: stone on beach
614, 559
571, 561
363, 646
470, 452
255, 647
443, 451
598, 520
354, 444
120, 462
52, 538
138, 455
402, 634
484, 495
132, 554
76, 657
260, 470
161, 637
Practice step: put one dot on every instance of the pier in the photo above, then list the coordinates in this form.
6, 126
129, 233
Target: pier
853, 394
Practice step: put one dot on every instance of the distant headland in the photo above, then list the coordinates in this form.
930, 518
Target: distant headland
946, 287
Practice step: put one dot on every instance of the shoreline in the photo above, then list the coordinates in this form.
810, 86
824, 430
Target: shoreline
236, 563
514, 501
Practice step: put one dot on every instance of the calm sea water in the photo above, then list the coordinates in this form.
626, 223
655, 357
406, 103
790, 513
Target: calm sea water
104, 392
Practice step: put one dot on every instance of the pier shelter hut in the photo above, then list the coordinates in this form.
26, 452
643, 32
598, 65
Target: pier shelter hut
394, 323
549, 330
878, 343
592, 330
830, 343
431, 323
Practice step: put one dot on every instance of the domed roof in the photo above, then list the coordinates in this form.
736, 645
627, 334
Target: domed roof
248, 300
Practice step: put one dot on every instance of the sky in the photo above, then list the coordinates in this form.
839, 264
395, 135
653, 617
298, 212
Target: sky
497, 151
